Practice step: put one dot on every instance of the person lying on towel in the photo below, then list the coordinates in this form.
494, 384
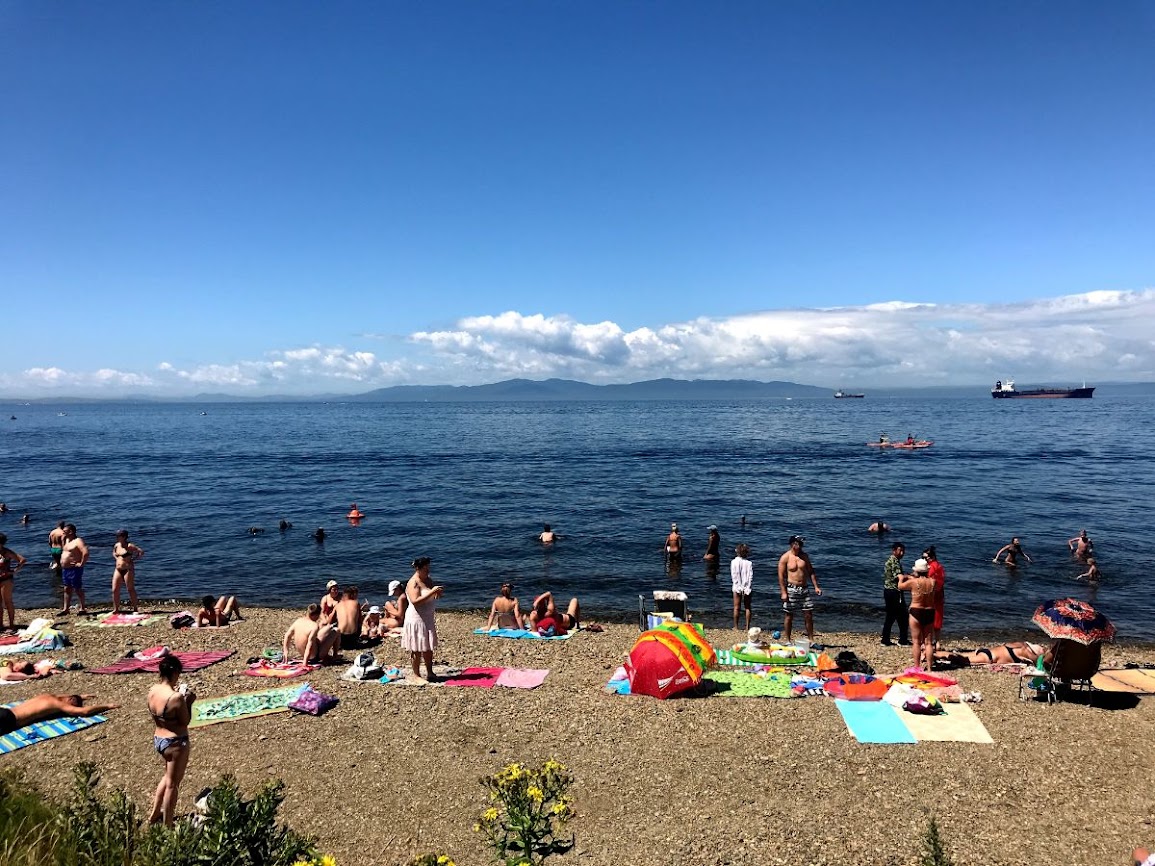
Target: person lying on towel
42, 708
547, 621
1016, 652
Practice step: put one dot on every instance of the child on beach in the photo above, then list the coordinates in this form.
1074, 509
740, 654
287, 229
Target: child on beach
371, 628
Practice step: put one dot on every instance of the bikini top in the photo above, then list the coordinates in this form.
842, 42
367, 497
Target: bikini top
163, 719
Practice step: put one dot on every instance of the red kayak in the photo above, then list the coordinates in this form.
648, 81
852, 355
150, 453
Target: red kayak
906, 446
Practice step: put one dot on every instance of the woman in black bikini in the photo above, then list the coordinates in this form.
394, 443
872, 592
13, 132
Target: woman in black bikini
7, 575
171, 709
124, 574
921, 588
1015, 652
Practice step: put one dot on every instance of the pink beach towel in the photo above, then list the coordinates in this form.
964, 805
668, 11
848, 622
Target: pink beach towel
521, 678
190, 661
482, 678
280, 670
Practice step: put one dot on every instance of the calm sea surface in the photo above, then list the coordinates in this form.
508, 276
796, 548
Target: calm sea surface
471, 484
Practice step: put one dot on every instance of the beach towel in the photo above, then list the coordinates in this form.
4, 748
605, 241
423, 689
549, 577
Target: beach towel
46, 640
619, 683
727, 659
38, 732
521, 634
1133, 681
958, 724
119, 620
739, 684
397, 677
229, 708
521, 678
874, 722
481, 678
190, 661
278, 670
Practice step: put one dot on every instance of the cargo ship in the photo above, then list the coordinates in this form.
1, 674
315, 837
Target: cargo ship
846, 395
1004, 390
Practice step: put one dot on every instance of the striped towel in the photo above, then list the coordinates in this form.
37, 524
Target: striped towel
727, 659
190, 661
38, 732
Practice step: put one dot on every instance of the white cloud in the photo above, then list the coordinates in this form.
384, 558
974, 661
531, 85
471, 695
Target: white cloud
1096, 336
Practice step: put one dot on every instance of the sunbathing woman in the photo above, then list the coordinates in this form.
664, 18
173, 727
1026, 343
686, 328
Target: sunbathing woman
215, 614
546, 618
1016, 652
505, 611
14, 672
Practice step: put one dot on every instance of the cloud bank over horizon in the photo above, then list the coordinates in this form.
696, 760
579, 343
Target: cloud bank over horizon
1097, 336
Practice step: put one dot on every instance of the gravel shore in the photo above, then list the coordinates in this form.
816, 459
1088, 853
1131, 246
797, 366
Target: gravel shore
392, 772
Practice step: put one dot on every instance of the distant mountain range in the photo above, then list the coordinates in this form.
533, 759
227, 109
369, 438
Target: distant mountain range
568, 389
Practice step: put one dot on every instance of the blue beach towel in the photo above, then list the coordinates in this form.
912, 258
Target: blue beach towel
874, 722
519, 634
38, 732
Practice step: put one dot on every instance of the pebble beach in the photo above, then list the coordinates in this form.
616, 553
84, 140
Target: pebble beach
392, 771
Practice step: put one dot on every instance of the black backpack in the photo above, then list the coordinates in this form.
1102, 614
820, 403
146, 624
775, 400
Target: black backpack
848, 663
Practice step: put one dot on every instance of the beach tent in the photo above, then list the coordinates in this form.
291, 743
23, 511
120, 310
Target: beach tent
667, 660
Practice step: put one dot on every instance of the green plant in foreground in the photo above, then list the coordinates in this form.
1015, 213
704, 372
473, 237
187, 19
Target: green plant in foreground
432, 859
527, 810
28, 827
933, 852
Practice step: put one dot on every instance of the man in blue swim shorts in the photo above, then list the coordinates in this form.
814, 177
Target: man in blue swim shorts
73, 556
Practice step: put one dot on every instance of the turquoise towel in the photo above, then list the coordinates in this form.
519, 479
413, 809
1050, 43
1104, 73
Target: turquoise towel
38, 732
874, 722
519, 633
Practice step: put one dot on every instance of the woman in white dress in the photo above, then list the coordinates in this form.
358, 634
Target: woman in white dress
419, 631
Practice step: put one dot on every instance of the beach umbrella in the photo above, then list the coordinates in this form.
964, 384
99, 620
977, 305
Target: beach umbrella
1073, 619
668, 660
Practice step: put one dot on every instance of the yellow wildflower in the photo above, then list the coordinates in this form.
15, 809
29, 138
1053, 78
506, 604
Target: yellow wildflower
328, 860
535, 793
489, 814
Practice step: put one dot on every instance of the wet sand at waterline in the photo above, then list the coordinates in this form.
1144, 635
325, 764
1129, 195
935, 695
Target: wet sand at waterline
392, 771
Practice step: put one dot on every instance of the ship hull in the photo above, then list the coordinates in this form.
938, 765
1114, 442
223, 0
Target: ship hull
1045, 394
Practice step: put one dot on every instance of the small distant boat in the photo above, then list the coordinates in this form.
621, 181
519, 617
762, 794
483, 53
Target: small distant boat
1006, 390
61, 414
904, 445
846, 395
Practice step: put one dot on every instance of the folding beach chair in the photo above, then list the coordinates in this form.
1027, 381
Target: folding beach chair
1072, 666
666, 605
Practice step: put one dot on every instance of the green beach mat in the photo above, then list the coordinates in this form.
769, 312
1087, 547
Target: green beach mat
38, 732
726, 658
738, 684
229, 708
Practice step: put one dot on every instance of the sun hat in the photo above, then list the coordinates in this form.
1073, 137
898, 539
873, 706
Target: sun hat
797, 538
920, 566
711, 528
673, 526
375, 609
394, 585
330, 584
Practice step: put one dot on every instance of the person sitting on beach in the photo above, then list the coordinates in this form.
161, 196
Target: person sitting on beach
214, 614
1092, 573
43, 708
395, 607
1013, 551
1015, 652
371, 628
347, 618
546, 620
878, 528
329, 601
1081, 545
548, 536
310, 641
15, 672
505, 612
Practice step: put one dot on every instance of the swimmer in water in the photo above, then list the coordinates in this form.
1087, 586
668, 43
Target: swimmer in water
1012, 553
319, 535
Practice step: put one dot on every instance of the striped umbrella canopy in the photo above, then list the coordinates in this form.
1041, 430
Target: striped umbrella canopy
1074, 620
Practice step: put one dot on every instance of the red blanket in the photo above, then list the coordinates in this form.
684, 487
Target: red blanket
190, 661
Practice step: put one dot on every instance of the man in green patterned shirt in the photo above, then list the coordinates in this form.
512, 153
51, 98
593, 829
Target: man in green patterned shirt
895, 605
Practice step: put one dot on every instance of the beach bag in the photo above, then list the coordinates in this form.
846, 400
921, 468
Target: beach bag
184, 619
924, 705
364, 667
848, 662
312, 702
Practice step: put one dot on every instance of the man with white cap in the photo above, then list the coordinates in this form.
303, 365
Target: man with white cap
329, 601
395, 607
673, 545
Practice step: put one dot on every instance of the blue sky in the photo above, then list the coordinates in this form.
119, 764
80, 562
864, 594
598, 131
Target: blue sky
302, 197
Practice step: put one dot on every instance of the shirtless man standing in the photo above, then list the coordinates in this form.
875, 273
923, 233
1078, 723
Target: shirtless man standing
673, 545
73, 556
311, 641
56, 544
1081, 546
794, 569
348, 619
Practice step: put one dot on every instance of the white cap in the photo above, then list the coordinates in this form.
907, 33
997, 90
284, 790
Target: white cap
375, 609
920, 566
330, 584
394, 585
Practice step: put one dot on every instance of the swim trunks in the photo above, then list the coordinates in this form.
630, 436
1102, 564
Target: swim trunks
350, 641
797, 599
56, 551
73, 578
8, 722
924, 616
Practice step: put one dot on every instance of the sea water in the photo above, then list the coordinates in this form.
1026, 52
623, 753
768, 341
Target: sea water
471, 484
